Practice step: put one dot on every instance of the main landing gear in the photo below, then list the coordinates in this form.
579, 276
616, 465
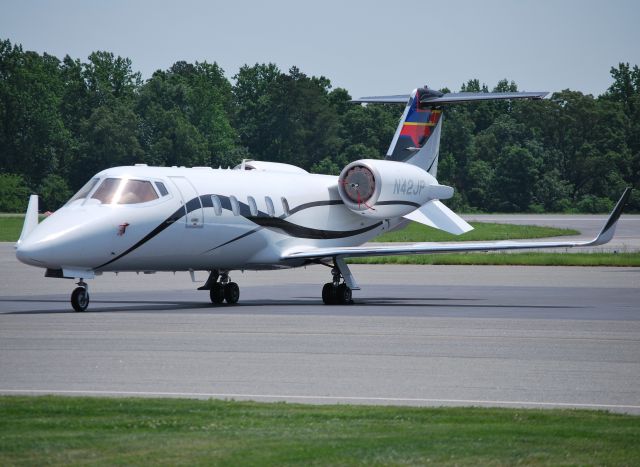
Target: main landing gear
80, 296
221, 290
338, 291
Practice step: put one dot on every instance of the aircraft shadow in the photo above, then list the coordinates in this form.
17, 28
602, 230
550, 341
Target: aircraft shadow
132, 306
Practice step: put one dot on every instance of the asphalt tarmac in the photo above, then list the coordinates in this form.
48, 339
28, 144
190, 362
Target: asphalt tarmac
627, 237
416, 335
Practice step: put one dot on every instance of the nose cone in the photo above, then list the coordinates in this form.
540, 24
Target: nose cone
29, 252
68, 238
48, 244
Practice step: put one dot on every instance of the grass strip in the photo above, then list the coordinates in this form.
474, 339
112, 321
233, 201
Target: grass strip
415, 232
10, 228
75, 430
511, 259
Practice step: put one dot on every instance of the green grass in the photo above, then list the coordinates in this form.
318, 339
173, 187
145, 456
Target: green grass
74, 431
511, 259
10, 228
415, 232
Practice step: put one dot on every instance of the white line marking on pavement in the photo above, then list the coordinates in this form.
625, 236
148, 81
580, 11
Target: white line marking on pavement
327, 398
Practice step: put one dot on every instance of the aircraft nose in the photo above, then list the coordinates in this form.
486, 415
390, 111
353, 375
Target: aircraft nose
51, 243
29, 252
60, 240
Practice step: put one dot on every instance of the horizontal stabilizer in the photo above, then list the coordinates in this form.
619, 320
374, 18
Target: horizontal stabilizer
437, 215
30, 218
450, 98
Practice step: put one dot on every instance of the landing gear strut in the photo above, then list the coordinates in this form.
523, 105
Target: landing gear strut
221, 290
80, 296
338, 291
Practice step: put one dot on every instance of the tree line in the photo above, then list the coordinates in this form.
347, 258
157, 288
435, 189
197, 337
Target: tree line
62, 120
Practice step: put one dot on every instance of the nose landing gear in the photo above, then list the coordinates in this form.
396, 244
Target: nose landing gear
80, 296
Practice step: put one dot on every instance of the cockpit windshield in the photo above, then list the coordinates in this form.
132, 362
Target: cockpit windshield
124, 191
84, 191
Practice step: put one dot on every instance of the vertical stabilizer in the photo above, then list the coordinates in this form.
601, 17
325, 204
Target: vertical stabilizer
417, 138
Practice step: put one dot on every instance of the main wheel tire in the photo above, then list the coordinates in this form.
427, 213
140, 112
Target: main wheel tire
329, 294
216, 293
80, 299
344, 294
231, 293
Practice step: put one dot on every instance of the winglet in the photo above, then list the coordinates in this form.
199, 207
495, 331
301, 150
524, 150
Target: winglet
30, 219
606, 234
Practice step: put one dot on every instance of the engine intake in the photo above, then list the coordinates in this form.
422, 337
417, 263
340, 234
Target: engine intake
385, 189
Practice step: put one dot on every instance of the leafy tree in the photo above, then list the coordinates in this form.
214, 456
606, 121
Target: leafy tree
14, 193
54, 192
110, 78
516, 176
62, 120
32, 134
110, 139
185, 116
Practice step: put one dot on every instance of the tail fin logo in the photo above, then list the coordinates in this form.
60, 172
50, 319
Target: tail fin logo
420, 127
415, 129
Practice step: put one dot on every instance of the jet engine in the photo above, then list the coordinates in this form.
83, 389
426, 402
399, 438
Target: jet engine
384, 189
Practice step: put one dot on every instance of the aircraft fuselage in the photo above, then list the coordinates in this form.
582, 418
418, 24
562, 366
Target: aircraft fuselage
209, 219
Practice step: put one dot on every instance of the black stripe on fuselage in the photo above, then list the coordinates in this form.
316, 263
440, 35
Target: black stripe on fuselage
299, 231
262, 219
176, 216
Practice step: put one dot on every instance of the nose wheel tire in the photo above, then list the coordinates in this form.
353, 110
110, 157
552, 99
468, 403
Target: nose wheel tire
80, 299
231, 293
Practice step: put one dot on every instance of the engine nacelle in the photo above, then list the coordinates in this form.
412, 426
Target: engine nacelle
386, 189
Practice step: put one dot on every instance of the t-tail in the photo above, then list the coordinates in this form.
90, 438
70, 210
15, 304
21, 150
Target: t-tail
417, 142
417, 138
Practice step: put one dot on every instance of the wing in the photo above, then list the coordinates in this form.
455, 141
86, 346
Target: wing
605, 235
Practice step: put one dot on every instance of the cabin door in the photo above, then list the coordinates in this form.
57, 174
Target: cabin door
191, 201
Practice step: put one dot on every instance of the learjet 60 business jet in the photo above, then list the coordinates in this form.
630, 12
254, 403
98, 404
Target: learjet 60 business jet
263, 215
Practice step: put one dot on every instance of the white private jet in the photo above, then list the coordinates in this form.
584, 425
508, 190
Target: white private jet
262, 215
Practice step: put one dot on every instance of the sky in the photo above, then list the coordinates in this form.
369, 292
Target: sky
368, 47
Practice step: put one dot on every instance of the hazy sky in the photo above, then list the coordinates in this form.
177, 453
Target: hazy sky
368, 47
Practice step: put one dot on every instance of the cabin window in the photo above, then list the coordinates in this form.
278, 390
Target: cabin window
162, 189
217, 205
235, 208
125, 191
270, 209
84, 191
285, 206
252, 206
